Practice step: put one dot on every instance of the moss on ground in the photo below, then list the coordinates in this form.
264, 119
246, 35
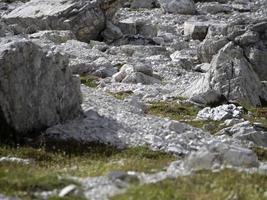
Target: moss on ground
226, 184
90, 81
122, 94
183, 112
48, 168
261, 153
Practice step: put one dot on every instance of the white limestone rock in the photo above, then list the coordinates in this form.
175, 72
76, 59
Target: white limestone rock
84, 18
54, 36
247, 132
217, 155
232, 76
227, 111
38, 89
138, 73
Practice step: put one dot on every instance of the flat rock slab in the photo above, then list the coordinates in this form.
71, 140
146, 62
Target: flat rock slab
84, 18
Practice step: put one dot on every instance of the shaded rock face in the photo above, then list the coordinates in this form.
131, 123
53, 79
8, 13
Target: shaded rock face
37, 88
84, 18
178, 6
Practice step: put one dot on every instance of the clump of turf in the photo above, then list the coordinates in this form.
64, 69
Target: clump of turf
122, 94
49, 168
225, 184
261, 153
256, 115
183, 112
90, 81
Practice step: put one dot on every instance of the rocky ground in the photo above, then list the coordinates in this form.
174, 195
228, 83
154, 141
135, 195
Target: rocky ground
170, 92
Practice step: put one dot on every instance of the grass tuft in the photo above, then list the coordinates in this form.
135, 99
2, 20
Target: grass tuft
222, 185
49, 168
122, 94
183, 112
90, 81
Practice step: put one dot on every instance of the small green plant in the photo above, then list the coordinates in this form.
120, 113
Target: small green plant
122, 94
90, 81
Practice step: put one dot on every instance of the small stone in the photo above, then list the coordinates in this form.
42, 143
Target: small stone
67, 190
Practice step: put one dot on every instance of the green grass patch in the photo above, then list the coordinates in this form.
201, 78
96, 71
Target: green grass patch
49, 168
183, 112
226, 184
90, 81
257, 115
122, 94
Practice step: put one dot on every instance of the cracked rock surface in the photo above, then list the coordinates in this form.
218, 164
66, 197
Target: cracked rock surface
207, 55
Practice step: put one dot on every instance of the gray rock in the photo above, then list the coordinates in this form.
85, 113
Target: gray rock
86, 60
128, 26
111, 32
216, 155
231, 75
16, 160
84, 18
257, 57
209, 48
54, 36
203, 67
196, 30
38, 89
214, 8
2, 197
178, 6
5, 30
143, 4
220, 113
67, 190
247, 132
137, 73
211, 97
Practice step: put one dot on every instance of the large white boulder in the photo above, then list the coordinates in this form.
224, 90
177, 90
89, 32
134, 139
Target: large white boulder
37, 88
231, 75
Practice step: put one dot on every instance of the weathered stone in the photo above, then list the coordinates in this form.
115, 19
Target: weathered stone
128, 26
217, 154
178, 6
137, 73
86, 60
211, 97
84, 18
5, 30
246, 131
111, 32
209, 48
196, 30
54, 36
38, 89
220, 113
143, 4
231, 75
